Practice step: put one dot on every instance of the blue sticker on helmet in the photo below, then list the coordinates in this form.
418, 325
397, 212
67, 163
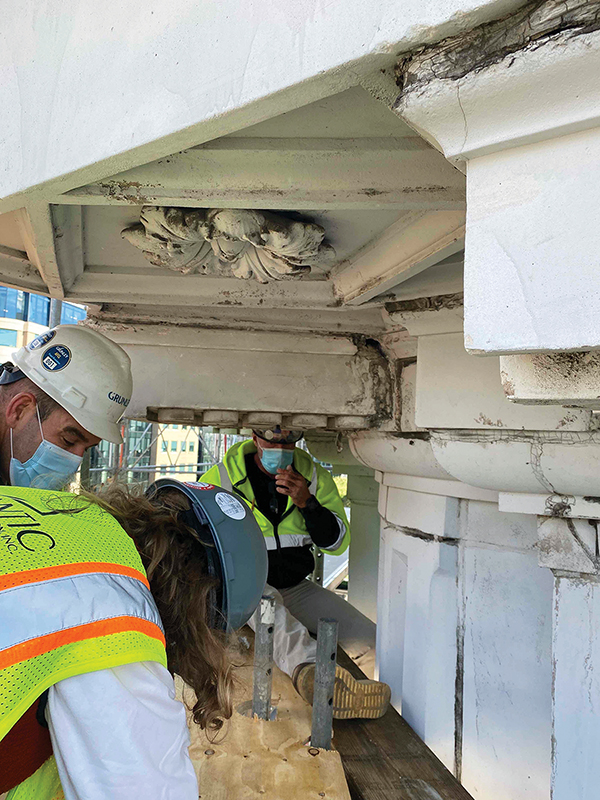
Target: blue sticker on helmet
41, 340
56, 358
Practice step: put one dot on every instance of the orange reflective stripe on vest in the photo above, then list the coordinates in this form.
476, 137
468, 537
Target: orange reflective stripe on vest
64, 570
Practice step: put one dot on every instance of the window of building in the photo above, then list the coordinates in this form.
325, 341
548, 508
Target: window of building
184, 427
39, 309
71, 314
164, 446
191, 447
174, 427
183, 447
13, 303
173, 447
8, 338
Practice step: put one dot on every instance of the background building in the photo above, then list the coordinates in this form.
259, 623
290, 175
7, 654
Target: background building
23, 315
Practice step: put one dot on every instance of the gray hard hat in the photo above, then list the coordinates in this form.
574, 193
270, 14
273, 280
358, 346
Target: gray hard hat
234, 545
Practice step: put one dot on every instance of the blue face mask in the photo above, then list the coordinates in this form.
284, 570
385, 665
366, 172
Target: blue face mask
275, 458
50, 467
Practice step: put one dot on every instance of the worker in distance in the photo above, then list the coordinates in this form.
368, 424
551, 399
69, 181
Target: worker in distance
102, 599
297, 505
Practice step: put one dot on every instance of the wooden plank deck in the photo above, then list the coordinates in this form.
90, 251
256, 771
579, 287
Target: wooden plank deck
384, 759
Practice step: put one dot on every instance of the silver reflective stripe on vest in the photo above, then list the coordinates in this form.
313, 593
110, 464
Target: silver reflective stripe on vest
33, 610
338, 542
313, 484
224, 477
288, 540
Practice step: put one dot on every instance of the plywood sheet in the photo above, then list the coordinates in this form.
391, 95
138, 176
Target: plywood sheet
258, 760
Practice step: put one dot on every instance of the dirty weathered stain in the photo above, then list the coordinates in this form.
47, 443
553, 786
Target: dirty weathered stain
372, 370
483, 420
529, 27
436, 303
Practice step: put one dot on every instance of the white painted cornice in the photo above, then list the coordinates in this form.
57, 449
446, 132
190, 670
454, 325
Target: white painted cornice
548, 88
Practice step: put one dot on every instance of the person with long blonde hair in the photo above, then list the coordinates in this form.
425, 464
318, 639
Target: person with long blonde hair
102, 600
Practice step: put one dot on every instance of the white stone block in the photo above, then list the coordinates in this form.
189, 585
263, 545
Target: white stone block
507, 676
576, 690
456, 390
424, 512
483, 525
417, 635
531, 281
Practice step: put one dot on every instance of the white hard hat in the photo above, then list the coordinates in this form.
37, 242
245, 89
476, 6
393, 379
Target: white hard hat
86, 373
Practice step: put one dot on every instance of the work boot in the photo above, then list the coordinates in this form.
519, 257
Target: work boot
351, 698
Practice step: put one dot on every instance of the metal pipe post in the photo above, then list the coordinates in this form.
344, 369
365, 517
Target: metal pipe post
322, 715
263, 659
55, 312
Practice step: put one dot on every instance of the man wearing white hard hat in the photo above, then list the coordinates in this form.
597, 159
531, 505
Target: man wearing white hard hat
64, 392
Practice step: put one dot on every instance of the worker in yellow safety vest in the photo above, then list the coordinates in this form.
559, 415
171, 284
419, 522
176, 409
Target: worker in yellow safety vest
297, 505
60, 395
100, 602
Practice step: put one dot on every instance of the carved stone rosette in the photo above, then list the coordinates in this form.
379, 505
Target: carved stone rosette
251, 244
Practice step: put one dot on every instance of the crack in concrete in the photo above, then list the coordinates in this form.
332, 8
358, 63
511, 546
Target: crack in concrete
529, 27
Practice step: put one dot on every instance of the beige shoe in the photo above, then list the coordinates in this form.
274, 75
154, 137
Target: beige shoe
351, 698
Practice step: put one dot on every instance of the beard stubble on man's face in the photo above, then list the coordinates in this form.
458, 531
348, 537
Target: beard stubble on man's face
26, 438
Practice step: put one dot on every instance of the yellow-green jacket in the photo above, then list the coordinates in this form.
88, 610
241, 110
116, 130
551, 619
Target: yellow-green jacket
291, 532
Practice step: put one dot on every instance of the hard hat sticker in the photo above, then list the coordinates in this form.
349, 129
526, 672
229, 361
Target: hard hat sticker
200, 485
230, 506
41, 340
56, 358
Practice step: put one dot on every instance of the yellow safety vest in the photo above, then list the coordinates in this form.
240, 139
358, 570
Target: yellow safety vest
292, 532
74, 598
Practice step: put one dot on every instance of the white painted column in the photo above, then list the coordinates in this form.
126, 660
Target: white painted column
569, 547
363, 492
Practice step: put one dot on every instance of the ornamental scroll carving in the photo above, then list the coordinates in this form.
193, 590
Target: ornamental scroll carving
213, 241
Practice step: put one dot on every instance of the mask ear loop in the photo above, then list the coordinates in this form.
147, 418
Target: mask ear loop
37, 410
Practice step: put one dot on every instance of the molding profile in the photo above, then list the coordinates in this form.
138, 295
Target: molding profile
470, 95
250, 244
